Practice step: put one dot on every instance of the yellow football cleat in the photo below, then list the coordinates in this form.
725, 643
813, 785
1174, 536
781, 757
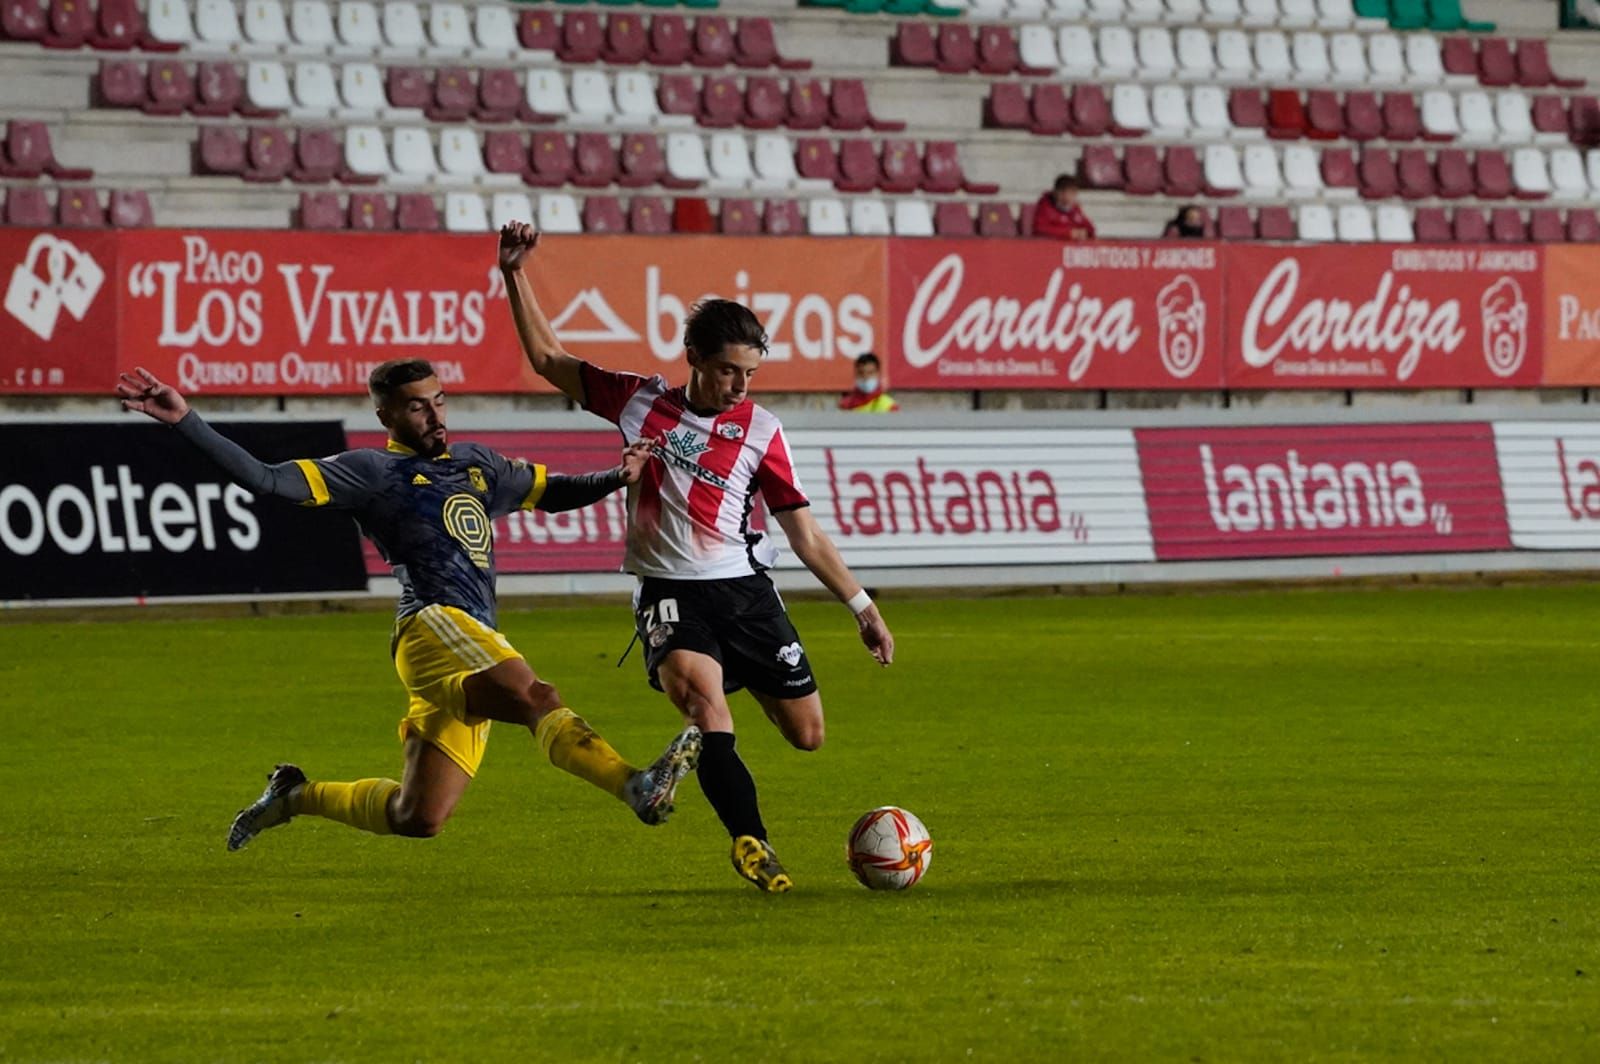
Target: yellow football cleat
754, 859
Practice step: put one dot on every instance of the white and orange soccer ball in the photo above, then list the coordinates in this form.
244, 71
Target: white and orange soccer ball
889, 849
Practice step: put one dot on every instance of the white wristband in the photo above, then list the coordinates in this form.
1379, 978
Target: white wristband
859, 601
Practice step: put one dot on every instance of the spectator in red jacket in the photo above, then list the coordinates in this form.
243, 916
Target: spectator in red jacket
1058, 215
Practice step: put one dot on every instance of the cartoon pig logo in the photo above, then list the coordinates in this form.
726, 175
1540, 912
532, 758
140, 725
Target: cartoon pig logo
1181, 314
1505, 327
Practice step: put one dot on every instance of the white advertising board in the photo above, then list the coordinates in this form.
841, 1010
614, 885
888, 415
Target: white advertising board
1550, 471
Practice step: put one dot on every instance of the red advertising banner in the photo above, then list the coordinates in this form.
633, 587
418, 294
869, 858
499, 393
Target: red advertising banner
530, 541
58, 332
970, 314
1322, 489
1384, 316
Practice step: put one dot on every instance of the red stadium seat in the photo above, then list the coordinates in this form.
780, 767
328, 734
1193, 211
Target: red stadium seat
119, 83
318, 155
1049, 111
755, 49
549, 160
28, 207
1583, 121
1546, 227
407, 87
454, 95
626, 43
1470, 226
505, 152
130, 209
713, 42
1507, 227
1141, 169
118, 26
1431, 226
1533, 66
1379, 179
848, 108
1363, 120
582, 38
499, 95
416, 212
1091, 115
691, 214
1234, 223
603, 214
1025, 219
268, 155
1492, 175
640, 161
1459, 56
676, 94
221, 151
1454, 171
1099, 167
218, 89
766, 106
1401, 119
997, 50
594, 163
953, 219
1286, 115
1339, 169
913, 46
651, 215
69, 24
321, 210
538, 31
28, 154
738, 217
1496, 67
941, 165
1182, 173
783, 218
1275, 223
1583, 226
371, 212
808, 106
1550, 114
1247, 109
80, 208
1006, 106
902, 170
721, 103
1324, 115
816, 160
670, 44
170, 88
957, 52
1416, 175
858, 167
996, 220
23, 20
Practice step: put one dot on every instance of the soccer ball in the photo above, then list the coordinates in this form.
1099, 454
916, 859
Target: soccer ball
889, 849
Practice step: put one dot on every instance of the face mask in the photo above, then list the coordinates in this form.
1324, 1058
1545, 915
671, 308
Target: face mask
867, 384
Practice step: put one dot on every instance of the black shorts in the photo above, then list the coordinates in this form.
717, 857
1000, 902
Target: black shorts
740, 621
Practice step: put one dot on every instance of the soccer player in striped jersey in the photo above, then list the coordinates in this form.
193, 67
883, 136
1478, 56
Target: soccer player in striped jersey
708, 615
426, 504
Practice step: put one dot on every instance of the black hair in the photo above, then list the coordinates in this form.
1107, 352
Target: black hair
715, 323
386, 377
1065, 181
862, 360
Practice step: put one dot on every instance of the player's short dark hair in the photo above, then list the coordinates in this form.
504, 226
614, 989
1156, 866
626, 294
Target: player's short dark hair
868, 359
715, 323
1065, 181
388, 376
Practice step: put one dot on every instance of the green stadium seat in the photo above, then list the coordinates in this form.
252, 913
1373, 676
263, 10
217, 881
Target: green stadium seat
700, 3
904, 7
1446, 16
863, 7
660, 3
1372, 9
1408, 14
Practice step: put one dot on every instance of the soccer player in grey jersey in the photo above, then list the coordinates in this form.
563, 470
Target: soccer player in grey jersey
427, 505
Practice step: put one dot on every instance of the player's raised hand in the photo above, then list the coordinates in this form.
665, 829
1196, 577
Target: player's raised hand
635, 457
875, 634
517, 241
142, 392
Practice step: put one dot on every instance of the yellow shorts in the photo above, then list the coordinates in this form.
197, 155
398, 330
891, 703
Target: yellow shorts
435, 651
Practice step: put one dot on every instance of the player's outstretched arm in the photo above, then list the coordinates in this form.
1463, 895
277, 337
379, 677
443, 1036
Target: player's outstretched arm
141, 391
583, 489
539, 342
813, 547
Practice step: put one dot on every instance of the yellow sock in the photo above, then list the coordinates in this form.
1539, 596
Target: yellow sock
363, 804
573, 746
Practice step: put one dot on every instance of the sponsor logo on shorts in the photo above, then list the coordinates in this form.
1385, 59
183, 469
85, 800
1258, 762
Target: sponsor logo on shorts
798, 683
658, 635
790, 655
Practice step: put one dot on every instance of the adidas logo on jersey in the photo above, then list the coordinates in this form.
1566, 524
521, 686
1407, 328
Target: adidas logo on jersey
420, 479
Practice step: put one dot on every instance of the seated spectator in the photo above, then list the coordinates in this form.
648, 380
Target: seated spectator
1188, 224
868, 395
1058, 215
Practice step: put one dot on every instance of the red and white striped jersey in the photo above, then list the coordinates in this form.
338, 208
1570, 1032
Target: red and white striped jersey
689, 516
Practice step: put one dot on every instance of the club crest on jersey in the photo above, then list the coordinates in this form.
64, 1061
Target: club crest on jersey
475, 475
790, 655
730, 431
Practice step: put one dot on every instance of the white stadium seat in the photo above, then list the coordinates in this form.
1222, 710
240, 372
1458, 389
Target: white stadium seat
1145, 11
730, 161
686, 157
1567, 178
494, 34
464, 213
361, 89
591, 97
1296, 14
1335, 14
1197, 61
1272, 56
402, 28
311, 27
636, 101
1591, 166
1385, 58
315, 92
774, 164
912, 217
1233, 56
826, 216
1394, 224
168, 21
1424, 62
1302, 174
412, 151
1036, 46
1259, 12
1513, 117
1354, 224
449, 30
1075, 45
365, 153
360, 33
546, 93
558, 213
1530, 172
1034, 10
1070, 10
1107, 10
1310, 53
1208, 107
1223, 11
1169, 112
1222, 169
1314, 222
460, 152
1182, 12
869, 217
266, 86
1117, 57
1439, 114
1348, 58
216, 26
1477, 118
508, 207
1262, 177
265, 25
1157, 60
1130, 107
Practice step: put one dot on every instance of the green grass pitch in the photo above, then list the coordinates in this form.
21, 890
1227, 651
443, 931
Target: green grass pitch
1280, 825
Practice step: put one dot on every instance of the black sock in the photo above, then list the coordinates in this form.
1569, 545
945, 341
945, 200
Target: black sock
728, 786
